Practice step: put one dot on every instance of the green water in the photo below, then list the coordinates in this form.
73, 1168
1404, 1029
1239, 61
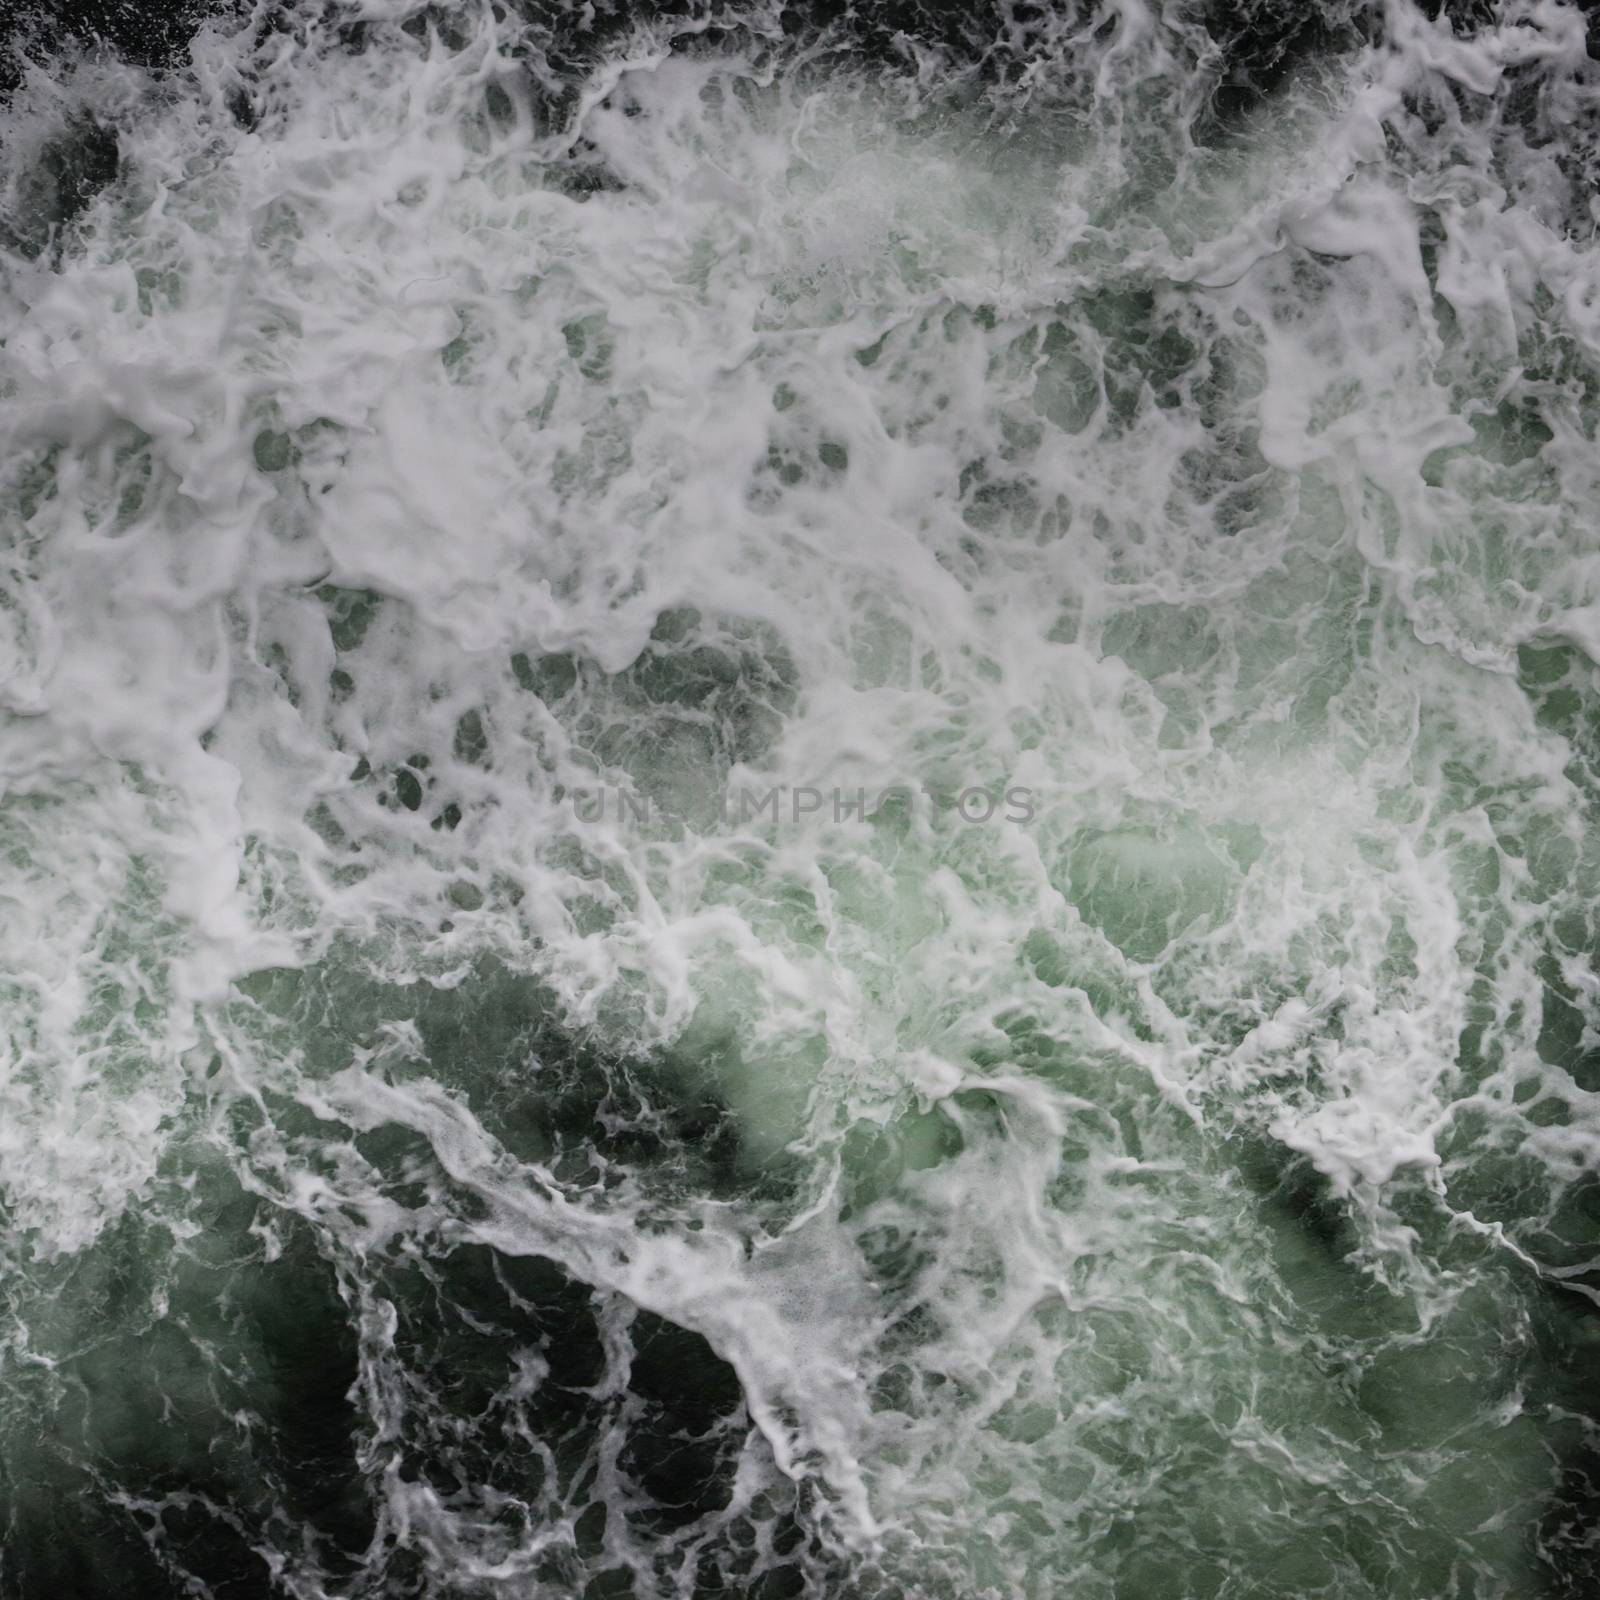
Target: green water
801, 807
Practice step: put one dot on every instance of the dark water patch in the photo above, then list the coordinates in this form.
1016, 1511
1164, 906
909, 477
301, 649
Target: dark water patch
498, 1356
1567, 1542
1312, 1241
1294, 1187
691, 1412
532, 1402
50, 193
1565, 1394
1564, 1386
1261, 43
63, 1535
197, 1408
517, 1394
151, 33
248, 1388
495, 1038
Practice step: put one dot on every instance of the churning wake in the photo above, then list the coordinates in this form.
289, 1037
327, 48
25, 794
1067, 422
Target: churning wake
802, 805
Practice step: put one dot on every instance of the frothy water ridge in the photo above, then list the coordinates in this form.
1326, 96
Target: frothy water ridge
414, 1182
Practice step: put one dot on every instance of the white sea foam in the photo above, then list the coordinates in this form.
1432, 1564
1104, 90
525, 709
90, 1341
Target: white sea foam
381, 473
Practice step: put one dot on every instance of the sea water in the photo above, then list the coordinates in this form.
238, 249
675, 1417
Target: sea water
796, 807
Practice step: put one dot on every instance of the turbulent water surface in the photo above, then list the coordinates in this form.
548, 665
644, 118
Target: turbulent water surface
801, 804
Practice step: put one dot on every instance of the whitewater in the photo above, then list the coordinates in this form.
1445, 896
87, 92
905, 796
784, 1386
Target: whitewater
799, 805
